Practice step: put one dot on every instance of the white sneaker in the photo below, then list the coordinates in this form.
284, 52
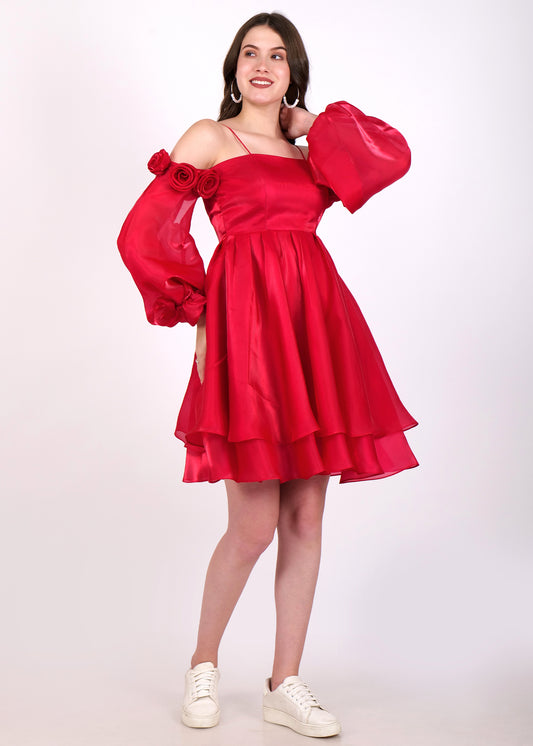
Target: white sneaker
200, 704
293, 704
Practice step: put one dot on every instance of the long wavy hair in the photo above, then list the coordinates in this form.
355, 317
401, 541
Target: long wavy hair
296, 58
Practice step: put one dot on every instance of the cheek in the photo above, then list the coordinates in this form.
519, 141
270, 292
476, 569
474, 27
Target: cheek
287, 74
241, 63
244, 67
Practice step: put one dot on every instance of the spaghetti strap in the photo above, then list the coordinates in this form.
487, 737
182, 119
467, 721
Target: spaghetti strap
237, 137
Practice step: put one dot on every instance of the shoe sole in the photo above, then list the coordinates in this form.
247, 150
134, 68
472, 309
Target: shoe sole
207, 721
305, 729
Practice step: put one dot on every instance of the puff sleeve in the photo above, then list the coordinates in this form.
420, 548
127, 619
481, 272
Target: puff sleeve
355, 155
156, 246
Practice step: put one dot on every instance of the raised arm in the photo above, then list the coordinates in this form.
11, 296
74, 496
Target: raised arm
353, 154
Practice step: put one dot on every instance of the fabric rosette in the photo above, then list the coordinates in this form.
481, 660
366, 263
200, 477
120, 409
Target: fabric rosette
192, 306
183, 177
164, 312
159, 162
207, 183
187, 304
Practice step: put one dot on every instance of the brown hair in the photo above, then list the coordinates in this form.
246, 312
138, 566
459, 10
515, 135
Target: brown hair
296, 57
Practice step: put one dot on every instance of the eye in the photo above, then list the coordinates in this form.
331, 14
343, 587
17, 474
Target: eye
278, 56
249, 53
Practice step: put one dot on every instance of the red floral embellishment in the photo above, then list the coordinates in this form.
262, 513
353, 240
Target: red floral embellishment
159, 162
207, 183
186, 304
183, 176
193, 306
165, 312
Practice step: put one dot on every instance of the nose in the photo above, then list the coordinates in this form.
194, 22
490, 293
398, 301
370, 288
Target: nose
261, 64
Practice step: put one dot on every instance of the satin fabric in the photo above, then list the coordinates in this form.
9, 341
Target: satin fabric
294, 383
354, 154
161, 255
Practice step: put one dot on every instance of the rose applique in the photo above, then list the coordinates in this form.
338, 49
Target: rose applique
207, 183
184, 176
159, 162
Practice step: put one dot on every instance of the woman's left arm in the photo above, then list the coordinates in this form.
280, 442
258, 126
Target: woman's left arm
295, 122
353, 154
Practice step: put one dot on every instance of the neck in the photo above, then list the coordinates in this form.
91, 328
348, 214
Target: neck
262, 120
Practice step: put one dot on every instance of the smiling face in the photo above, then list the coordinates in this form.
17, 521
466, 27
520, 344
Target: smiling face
263, 73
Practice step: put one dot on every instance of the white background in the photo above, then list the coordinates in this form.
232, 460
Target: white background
426, 576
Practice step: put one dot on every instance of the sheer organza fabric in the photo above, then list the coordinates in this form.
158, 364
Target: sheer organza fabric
294, 383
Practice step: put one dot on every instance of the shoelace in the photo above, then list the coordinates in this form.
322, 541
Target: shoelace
204, 683
301, 694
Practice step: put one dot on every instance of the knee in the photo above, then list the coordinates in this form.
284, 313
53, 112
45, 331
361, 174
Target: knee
303, 523
251, 542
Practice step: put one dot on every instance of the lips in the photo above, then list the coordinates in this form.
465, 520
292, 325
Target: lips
261, 82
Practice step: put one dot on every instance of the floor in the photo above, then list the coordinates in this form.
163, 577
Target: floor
141, 708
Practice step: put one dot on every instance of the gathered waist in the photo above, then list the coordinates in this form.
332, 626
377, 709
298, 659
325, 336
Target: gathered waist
228, 234
250, 247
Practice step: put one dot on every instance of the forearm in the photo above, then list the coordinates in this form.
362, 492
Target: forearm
201, 319
201, 345
307, 122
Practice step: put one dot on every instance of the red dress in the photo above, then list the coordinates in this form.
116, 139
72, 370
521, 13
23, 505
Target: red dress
294, 383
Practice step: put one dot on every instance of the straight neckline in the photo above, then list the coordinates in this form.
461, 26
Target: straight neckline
249, 152
261, 155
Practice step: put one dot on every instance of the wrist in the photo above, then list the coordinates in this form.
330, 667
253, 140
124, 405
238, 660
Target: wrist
310, 121
310, 118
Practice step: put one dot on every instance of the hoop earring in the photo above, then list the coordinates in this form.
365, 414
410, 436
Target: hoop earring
296, 101
235, 100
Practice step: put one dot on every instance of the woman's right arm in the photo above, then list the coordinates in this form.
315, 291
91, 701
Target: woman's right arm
155, 242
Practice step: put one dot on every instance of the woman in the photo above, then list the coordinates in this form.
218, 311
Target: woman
288, 386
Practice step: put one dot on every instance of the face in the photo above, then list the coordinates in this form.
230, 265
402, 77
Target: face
263, 73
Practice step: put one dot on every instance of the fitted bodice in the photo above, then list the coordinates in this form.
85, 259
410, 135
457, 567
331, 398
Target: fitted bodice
260, 192
351, 156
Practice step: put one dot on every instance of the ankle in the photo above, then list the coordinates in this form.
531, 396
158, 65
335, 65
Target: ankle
276, 680
199, 658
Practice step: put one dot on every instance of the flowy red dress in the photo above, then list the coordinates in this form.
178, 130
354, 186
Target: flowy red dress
294, 383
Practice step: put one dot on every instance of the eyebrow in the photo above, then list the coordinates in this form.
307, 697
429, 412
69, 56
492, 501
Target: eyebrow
254, 47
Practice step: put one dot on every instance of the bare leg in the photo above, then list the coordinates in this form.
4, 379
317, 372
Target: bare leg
253, 509
299, 546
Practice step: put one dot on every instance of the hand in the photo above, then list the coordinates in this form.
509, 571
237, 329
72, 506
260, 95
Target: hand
295, 122
200, 347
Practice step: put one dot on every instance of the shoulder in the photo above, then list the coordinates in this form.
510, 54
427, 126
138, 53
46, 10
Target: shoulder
204, 128
200, 144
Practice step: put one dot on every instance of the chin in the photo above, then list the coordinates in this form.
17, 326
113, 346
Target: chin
262, 99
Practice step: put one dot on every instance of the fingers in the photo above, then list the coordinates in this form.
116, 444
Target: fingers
285, 120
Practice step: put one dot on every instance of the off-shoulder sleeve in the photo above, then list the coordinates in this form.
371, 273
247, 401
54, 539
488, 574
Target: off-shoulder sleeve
355, 155
156, 246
